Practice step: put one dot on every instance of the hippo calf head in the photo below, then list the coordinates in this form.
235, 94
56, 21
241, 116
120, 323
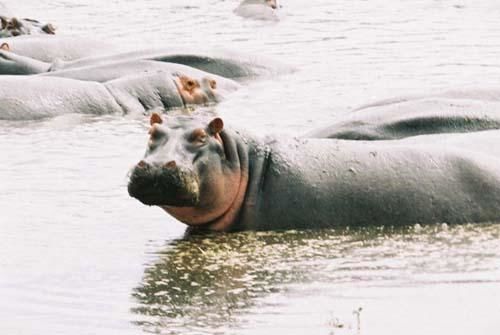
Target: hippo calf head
193, 170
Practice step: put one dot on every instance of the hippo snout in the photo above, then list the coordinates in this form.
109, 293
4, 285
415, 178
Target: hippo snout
164, 184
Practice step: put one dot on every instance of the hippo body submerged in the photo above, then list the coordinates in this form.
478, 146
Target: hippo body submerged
49, 48
444, 112
221, 180
224, 64
37, 97
258, 9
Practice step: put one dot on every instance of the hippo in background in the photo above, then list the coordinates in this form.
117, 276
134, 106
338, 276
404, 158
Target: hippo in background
223, 63
215, 178
258, 9
49, 48
38, 97
454, 111
12, 27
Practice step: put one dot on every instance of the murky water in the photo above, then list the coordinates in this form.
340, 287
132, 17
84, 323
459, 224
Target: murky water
78, 256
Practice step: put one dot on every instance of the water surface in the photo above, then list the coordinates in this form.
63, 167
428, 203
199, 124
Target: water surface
78, 256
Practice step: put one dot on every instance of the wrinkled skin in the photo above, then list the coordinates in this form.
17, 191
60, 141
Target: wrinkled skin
194, 172
51, 48
445, 112
36, 97
316, 183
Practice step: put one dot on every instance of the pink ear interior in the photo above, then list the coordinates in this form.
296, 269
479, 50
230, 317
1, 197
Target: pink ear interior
5, 46
155, 118
215, 126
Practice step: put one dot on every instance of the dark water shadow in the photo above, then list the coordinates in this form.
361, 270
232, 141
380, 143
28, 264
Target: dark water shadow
211, 283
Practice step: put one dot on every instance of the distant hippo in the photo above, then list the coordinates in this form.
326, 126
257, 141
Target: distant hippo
225, 64
36, 97
50, 48
12, 27
213, 178
258, 9
446, 112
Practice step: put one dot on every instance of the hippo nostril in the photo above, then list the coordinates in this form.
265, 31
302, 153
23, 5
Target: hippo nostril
171, 165
142, 164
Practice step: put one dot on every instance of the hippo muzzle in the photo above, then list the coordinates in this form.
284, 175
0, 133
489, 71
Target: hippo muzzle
164, 185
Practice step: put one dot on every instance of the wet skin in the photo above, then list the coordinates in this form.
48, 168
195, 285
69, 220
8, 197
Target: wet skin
35, 97
213, 178
55, 51
444, 112
49, 48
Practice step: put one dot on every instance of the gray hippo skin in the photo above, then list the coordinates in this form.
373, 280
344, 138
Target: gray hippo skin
51, 48
225, 64
218, 179
258, 9
13, 27
37, 97
447, 112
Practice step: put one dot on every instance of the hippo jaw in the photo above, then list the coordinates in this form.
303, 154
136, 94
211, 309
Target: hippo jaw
164, 185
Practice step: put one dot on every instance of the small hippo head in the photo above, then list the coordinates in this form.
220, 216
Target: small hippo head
193, 170
196, 92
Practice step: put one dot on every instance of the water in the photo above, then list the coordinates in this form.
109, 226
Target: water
78, 256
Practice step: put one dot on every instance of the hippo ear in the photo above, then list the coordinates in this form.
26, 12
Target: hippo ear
215, 126
5, 46
155, 118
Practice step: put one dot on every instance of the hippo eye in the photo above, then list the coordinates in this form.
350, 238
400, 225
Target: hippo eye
198, 136
213, 84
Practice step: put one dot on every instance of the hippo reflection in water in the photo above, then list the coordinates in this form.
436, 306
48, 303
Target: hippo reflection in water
215, 178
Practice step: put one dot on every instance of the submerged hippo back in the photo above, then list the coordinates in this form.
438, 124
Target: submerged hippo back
139, 93
30, 98
447, 112
48, 48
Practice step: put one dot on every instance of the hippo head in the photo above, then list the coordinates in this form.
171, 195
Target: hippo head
195, 171
196, 92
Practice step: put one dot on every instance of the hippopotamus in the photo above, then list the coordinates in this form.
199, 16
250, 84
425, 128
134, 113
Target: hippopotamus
258, 9
225, 64
211, 177
51, 48
451, 111
36, 97
12, 27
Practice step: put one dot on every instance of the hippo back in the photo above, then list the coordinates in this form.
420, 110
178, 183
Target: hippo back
48, 48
